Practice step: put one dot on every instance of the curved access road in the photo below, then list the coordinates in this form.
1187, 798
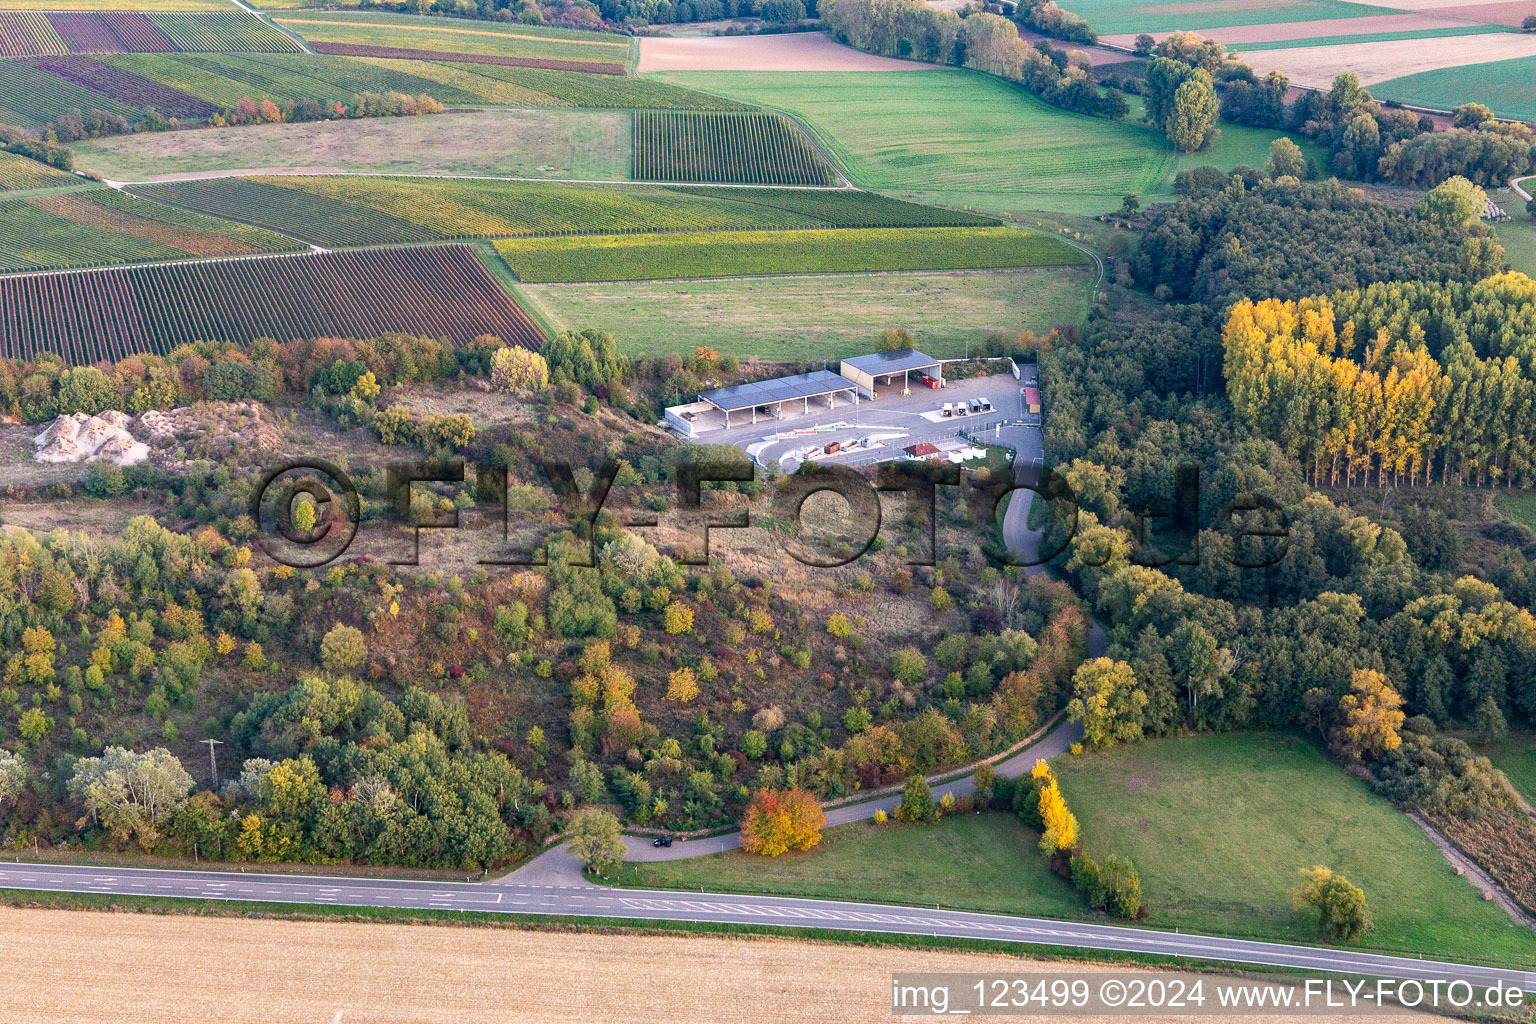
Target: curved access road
645, 905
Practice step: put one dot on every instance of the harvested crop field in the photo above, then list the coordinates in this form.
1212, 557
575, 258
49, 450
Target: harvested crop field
67, 966
1310, 29
799, 51
1510, 12
1316, 66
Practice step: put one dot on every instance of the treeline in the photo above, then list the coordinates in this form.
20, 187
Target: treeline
984, 42
25, 143
1267, 239
368, 104
1407, 381
1364, 138
1045, 17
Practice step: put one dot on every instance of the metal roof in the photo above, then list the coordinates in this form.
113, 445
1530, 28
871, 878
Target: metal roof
881, 363
780, 389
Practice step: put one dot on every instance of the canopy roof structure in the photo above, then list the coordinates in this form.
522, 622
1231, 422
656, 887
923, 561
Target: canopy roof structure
780, 389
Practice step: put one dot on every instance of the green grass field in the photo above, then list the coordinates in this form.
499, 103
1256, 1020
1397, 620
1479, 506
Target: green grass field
1218, 827
1518, 236
1516, 758
974, 862
1508, 86
512, 143
1109, 17
958, 132
454, 35
1518, 505
813, 317
731, 253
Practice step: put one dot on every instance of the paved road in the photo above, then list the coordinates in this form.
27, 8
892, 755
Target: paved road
595, 901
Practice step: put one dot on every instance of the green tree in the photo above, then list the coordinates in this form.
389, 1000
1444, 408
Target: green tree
1340, 906
132, 795
1108, 701
1285, 158
1488, 724
1192, 124
917, 802
596, 840
1455, 202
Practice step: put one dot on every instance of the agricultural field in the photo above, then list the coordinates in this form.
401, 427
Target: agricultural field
441, 34
1388, 64
754, 148
30, 98
30, 33
542, 87
1508, 86
125, 86
100, 226
1113, 18
957, 132
1159, 801
17, 173
586, 144
442, 291
354, 210
591, 67
116, 5
730, 253
193, 967
27, 32
224, 32
817, 316
224, 79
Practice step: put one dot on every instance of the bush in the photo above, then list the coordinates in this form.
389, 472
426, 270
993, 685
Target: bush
1340, 906
343, 649
917, 802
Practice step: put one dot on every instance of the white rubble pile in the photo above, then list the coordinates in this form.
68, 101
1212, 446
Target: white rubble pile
79, 437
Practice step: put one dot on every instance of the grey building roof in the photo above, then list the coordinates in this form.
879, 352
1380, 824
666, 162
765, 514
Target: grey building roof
780, 389
879, 364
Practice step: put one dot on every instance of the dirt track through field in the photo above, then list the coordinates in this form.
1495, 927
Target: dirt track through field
1316, 66
1312, 29
798, 51
62, 967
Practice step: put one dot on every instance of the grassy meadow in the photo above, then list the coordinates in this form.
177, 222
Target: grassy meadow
811, 317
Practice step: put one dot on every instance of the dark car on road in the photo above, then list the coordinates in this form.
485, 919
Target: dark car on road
662, 841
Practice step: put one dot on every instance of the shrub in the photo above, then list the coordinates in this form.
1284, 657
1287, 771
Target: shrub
343, 649
838, 626
1340, 906
678, 619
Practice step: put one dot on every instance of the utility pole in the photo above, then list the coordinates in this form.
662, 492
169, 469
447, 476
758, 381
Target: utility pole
213, 764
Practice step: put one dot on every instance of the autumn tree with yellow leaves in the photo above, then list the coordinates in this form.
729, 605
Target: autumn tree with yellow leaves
1372, 715
780, 820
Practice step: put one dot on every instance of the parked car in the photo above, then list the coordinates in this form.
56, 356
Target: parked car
662, 841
